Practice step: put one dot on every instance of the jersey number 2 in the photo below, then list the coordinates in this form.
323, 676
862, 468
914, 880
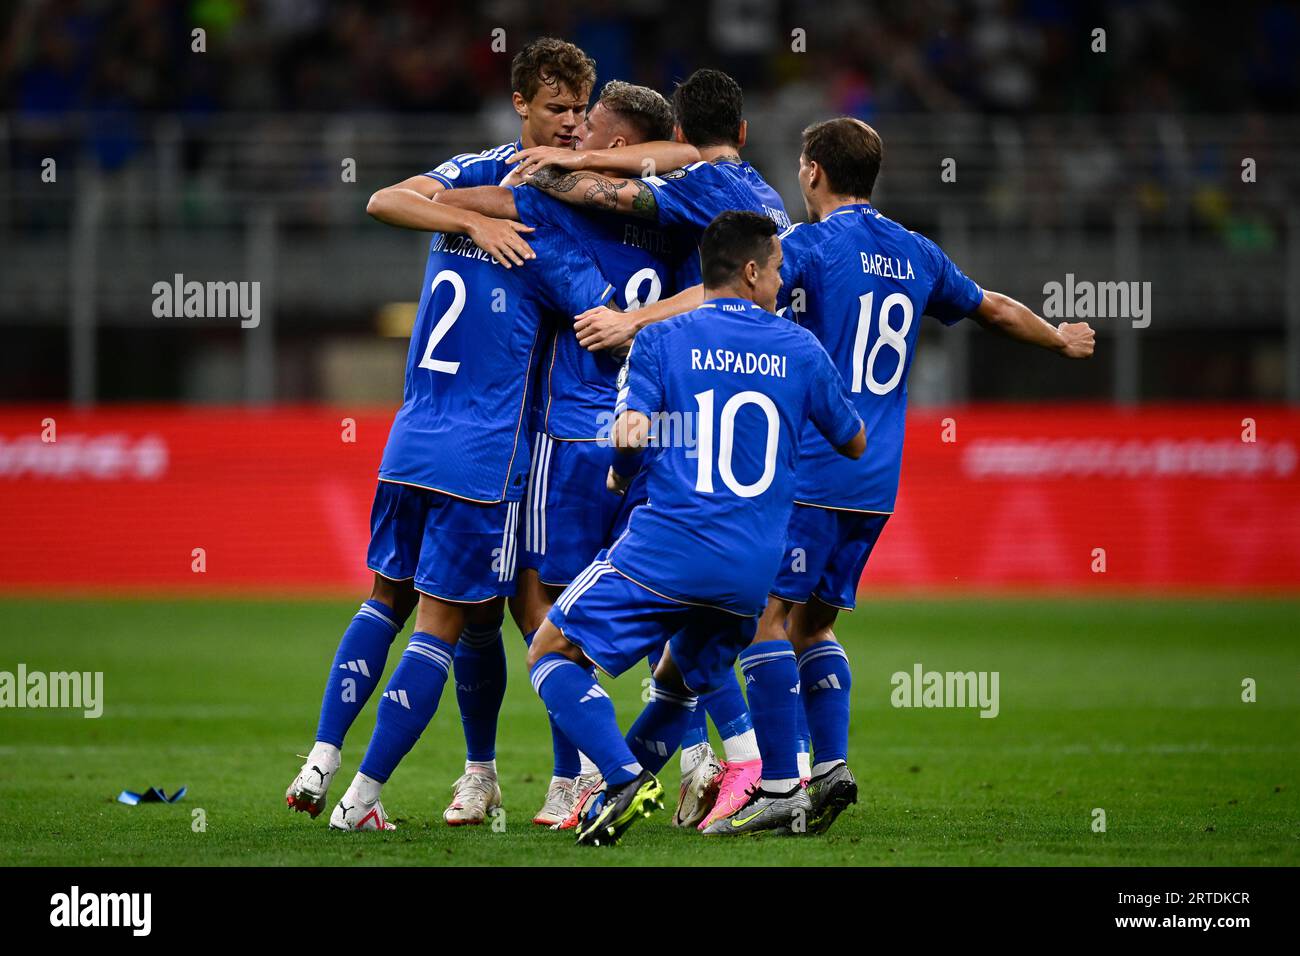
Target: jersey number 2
445, 323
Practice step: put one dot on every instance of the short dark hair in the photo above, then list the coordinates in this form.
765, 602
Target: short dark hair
734, 238
553, 62
708, 105
644, 108
848, 151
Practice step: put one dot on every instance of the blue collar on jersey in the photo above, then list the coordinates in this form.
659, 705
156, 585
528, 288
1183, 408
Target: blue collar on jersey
851, 207
729, 304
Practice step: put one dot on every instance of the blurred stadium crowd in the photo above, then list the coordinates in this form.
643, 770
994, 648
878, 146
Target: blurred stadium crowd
1124, 165
992, 56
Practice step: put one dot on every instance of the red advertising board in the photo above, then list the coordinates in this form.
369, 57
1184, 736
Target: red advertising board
167, 500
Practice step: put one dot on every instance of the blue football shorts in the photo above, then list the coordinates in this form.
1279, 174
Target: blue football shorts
826, 550
452, 549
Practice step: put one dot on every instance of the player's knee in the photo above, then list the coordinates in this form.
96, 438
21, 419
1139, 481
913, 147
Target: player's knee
669, 677
803, 642
548, 640
399, 596
811, 623
772, 624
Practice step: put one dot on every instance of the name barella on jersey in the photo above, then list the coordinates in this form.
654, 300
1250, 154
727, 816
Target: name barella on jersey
641, 259
728, 388
692, 197
461, 429
487, 168
860, 282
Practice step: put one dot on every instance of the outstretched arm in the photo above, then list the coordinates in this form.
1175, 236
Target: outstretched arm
585, 188
606, 328
643, 159
496, 202
1018, 321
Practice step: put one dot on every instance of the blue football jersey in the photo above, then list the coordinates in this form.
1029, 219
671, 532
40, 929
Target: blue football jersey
692, 197
860, 282
728, 388
478, 336
487, 168
641, 259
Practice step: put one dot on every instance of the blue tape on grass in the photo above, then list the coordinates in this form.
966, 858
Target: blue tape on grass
152, 795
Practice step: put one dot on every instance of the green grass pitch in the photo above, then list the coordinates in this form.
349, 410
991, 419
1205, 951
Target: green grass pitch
1130, 706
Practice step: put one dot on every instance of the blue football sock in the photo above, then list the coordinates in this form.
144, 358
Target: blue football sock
726, 705
826, 679
358, 665
408, 704
802, 736
697, 728
772, 679
564, 756
480, 671
585, 713
657, 732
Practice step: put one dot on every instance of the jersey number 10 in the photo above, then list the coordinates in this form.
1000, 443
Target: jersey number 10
727, 440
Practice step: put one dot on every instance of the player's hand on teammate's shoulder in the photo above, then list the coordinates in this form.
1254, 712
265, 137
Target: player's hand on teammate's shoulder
535, 157
1079, 339
603, 328
513, 178
502, 240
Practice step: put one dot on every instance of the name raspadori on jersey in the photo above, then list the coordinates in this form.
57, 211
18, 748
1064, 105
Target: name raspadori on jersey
742, 363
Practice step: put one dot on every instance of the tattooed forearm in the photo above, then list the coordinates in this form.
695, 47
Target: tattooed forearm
643, 203
602, 193
614, 195
554, 180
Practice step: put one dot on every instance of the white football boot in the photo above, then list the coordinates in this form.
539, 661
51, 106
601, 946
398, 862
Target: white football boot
585, 788
307, 792
558, 804
699, 789
352, 813
474, 795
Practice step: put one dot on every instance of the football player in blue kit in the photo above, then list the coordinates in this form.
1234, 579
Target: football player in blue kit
455, 470
860, 282
568, 512
695, 563
709, 115
552, 81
